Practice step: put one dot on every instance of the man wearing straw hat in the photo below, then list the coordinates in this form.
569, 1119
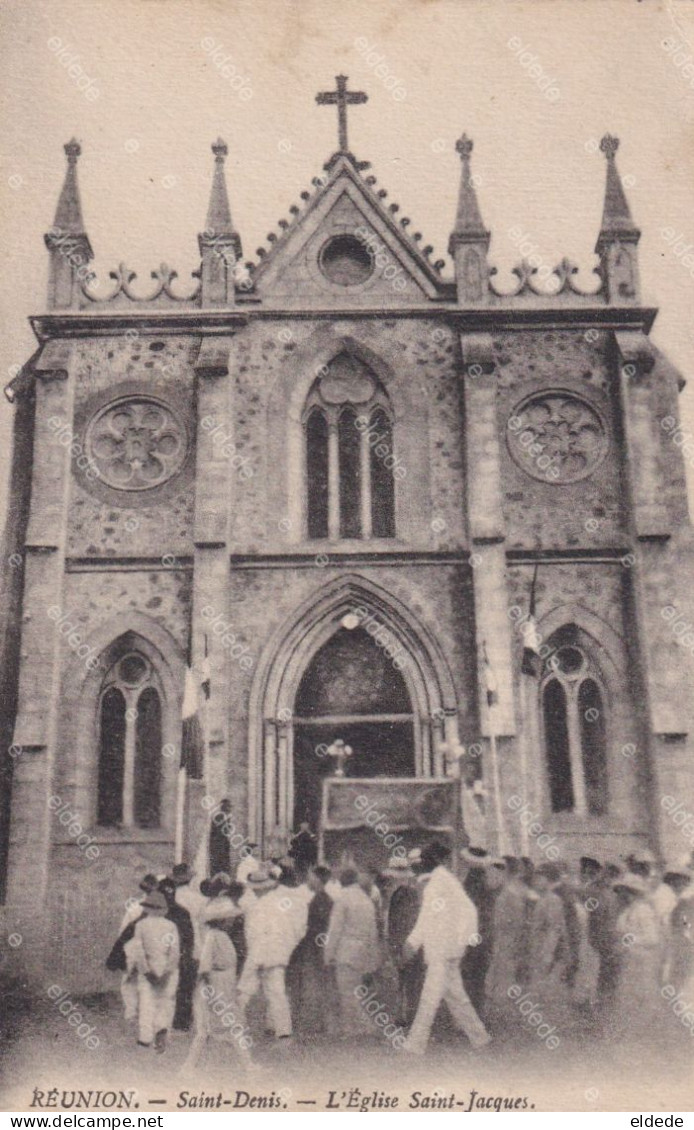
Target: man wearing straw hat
154, 953
275, 924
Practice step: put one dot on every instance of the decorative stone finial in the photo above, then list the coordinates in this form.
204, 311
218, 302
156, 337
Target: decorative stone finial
609, 146
220, 150
619, 236
64, 284
464, 145
72, 150
469, 241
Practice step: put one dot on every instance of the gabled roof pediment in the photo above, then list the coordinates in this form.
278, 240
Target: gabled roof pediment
346, 247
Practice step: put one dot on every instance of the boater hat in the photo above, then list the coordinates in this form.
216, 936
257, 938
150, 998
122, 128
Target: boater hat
551, 871
679, 869
475, 856
631, 883
156, 901
261, 880
212, 888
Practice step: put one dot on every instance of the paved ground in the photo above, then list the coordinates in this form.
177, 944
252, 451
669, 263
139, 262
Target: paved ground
41, 1050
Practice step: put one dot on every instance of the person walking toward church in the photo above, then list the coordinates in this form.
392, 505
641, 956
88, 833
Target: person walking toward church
508, 950
402, 912
188, 966
604, 906
353, 948
275, 924
188, 895
638, 1003
445, 927
116, 960
216, 1011
549, 945
153, 953
311, 985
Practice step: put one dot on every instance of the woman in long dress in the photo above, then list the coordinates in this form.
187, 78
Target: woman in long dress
216, 1010
638, 1004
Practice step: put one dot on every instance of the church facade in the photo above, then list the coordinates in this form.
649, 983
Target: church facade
439, 521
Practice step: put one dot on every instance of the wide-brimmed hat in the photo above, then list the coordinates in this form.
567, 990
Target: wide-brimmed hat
590, 861
181, 874
475, 856
678, 868
156, 901
630, 882
212, 888
433, 855
551, 871
149, 883
641, 855
261, 880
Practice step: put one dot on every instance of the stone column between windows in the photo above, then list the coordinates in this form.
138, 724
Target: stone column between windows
365, 468
486, 527
333, 480
41, 650
212, 619
575, 751
129, 771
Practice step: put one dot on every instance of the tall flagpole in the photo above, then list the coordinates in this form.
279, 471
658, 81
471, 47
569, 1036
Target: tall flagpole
528, 673
492, 696
180, 813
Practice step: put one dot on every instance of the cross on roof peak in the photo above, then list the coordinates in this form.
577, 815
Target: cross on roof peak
342, 98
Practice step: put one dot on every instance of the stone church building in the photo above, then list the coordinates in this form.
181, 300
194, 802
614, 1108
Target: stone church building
406, 508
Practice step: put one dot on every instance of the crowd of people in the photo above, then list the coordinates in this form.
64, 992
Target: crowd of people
513, 949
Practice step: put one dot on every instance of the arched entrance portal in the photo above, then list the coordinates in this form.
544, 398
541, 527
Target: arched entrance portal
352, 691
327, 674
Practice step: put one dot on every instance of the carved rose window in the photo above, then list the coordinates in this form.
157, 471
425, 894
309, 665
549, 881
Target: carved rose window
557, 437
136, 443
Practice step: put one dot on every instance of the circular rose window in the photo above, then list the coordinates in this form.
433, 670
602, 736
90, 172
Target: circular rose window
345, 261
136, 443
557, 437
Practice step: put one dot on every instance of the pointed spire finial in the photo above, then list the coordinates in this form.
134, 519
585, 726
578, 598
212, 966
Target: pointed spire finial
616, 215
468, 220
464, 145
67, 241
619, 236
220, 150
68, 214
469, 241
219, 213
609, 146
220, 245
73, 150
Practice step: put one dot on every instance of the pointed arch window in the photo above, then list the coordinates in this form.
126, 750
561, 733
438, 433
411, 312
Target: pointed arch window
130, 745
575, 734
350, 460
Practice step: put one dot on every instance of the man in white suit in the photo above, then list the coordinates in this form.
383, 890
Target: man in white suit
275, 924
445, 927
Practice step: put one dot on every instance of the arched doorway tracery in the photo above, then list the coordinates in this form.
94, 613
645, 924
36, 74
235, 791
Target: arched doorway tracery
422, 699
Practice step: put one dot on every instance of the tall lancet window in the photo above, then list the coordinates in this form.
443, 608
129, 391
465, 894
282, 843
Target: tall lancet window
130, 745
350, 461
575, 727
